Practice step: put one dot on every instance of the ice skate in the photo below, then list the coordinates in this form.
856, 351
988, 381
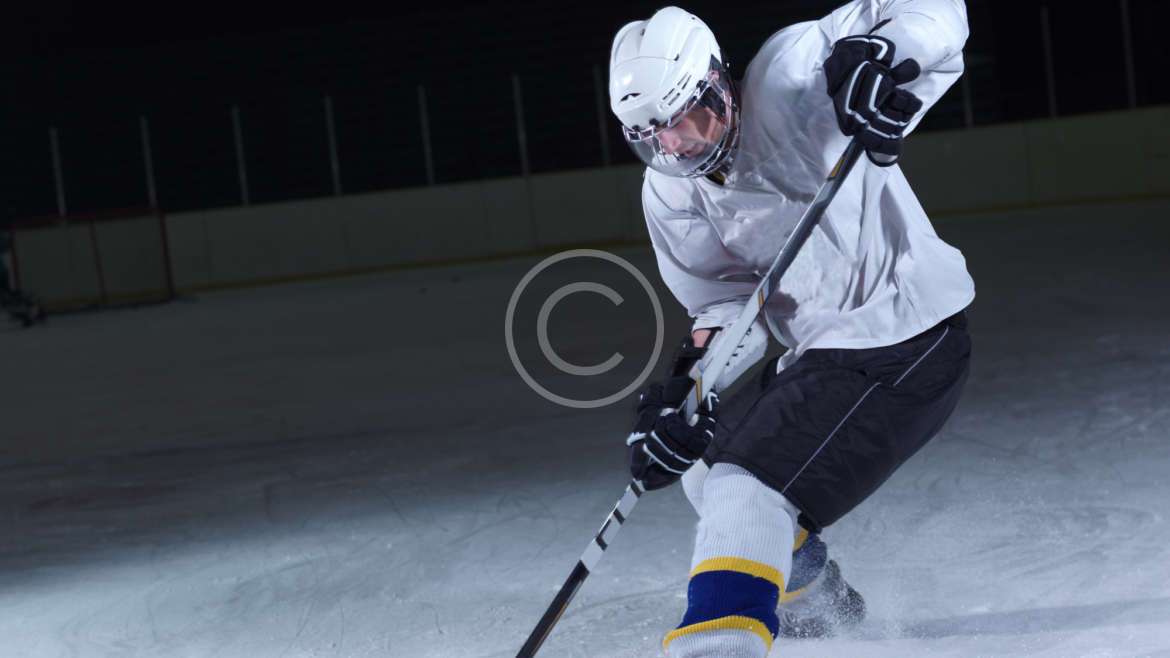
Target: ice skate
828, 606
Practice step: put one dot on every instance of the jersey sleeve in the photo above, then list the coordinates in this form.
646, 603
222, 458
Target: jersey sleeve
709, 303
932, 32
680, 238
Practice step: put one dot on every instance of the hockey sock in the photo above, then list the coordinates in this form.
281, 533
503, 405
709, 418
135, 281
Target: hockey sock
743, 549
809, 555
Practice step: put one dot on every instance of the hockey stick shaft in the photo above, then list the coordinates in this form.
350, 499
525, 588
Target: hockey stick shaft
589, 559
707, 371
705, 374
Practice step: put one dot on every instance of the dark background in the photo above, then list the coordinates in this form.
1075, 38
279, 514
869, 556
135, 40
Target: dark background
90, 70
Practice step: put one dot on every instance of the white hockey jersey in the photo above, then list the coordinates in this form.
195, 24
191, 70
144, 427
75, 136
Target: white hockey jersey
874, 272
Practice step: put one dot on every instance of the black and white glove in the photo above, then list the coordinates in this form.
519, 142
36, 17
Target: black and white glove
663, 445
660, 455
866, 96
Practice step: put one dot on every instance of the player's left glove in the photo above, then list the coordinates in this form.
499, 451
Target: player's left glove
866, 97
663, 445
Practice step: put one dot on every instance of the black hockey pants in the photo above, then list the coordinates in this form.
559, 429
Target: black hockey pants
828, 430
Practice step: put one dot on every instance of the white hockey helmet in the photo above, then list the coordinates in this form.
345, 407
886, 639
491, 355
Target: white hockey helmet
670, 87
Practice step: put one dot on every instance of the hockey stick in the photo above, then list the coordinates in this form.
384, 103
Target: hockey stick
705, 373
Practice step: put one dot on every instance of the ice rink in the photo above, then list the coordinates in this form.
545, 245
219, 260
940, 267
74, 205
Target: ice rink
352, 467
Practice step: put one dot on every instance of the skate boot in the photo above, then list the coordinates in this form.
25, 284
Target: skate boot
827, 606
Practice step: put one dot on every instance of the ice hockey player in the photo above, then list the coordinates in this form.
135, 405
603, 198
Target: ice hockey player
871, 311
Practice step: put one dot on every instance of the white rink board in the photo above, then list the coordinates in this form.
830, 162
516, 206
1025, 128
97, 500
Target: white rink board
77, 264
1113, 156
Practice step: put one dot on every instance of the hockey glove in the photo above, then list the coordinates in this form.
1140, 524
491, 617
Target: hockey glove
662, 444
866, 96
658, 458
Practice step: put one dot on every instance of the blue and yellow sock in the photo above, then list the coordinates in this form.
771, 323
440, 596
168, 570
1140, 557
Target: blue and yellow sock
743, 549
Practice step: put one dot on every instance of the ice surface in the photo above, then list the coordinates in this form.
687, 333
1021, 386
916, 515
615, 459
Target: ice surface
353, 468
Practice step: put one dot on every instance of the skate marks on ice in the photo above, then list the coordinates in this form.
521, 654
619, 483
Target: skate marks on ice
1024, 622
1132, 628
296, 548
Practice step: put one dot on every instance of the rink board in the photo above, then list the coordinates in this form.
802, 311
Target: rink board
1095, 158
69, 265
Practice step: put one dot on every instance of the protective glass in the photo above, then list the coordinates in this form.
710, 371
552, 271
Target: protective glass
698, 138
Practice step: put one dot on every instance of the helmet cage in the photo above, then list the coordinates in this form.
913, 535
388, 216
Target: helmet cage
714, 92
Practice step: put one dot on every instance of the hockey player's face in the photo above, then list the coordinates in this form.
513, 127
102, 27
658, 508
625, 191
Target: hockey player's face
696, 140
695, 132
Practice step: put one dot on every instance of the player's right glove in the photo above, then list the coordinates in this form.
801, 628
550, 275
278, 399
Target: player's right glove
866, 97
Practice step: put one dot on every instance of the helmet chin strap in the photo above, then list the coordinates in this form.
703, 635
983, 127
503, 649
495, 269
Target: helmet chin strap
717, 177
